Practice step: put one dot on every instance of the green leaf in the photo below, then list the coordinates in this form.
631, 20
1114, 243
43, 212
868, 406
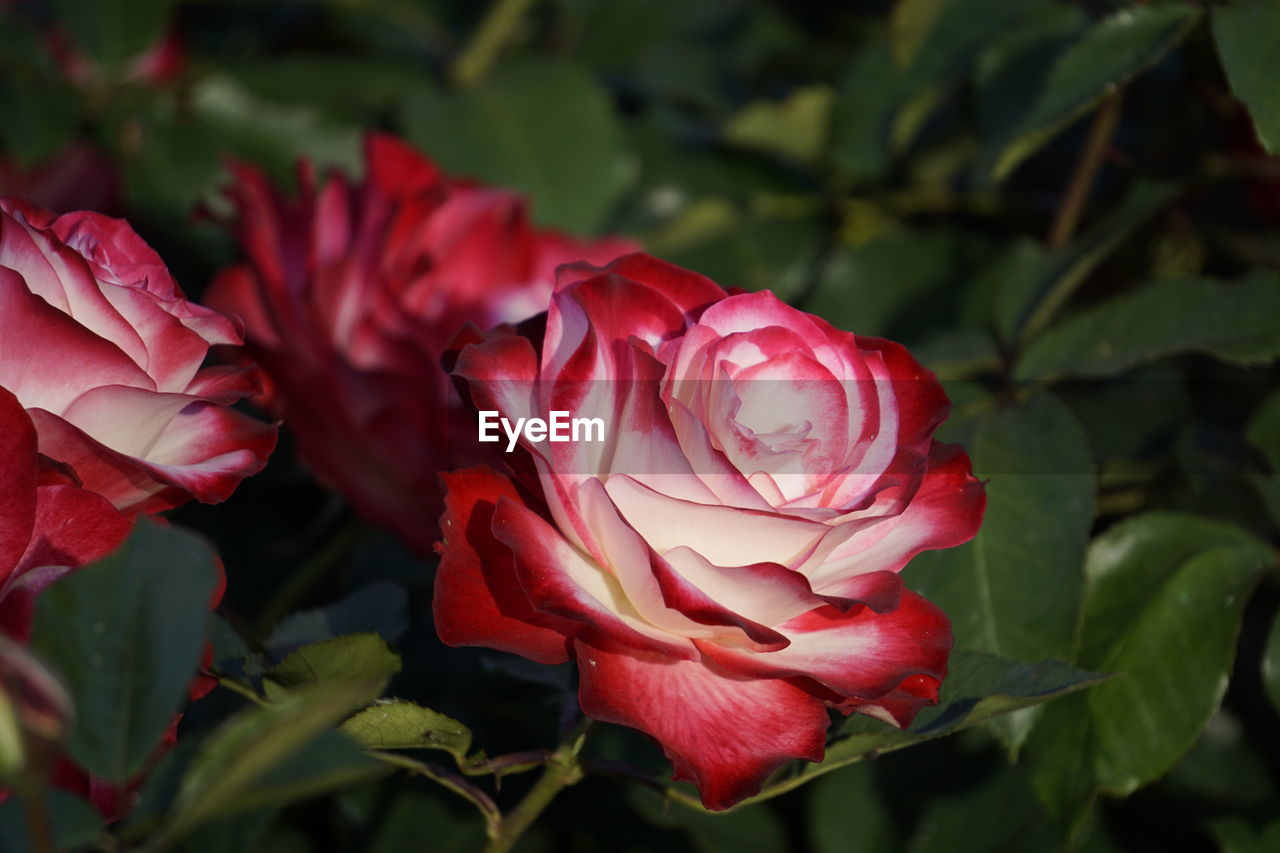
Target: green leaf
743, 830
795, 127
545, 129
868, 96
960, 354
377, 607
127, 633
76, 823
881, 103
1248, 36
176, 163
1133, 416
998, 812
1015, 589
1223, 768
1238, 322
910, 21
23, 48
397, 724
353, 84
244, 832
1131, 561
40, 118
983, 686
227, 643
847, 804
1172, 666
1061, 761
1264, 433
271, 755
1162, 607
755, 253
878, 288
352, 657
273, 135
1037, 284
412, 811
1012, 70
1040, 504
1271, 663
1105, 59
979, 688
112, 31
959, 30
1235, 835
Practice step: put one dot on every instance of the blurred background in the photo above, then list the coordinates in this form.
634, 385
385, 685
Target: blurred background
953, 174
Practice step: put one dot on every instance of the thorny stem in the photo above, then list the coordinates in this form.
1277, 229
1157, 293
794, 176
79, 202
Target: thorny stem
452, 781
1077, 194
483, 48
563, 769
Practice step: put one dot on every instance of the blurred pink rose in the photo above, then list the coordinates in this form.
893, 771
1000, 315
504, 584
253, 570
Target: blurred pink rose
161, 62
349, 297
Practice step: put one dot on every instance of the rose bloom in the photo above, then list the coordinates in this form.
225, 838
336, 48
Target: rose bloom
105, 412
103, 351
350, 294
724, 566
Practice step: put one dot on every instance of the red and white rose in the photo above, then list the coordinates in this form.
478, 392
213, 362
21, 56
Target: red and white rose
349, 296
724, 566
106, 356
106, 412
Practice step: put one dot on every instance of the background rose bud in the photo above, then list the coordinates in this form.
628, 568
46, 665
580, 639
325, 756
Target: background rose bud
100, 346
79, 177
35, 713
724, 567
349, 297
160, 62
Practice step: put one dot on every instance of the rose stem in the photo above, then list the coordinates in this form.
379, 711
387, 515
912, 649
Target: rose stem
496, 29
1073, 201
563, 769
39, 824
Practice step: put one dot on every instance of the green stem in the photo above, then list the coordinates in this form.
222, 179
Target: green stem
457, 784
564, 769
39, 824
495, 30
236, 686
1095, 150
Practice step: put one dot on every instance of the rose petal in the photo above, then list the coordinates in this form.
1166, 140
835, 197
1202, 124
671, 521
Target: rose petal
17, 482
478, 600
724, 732
561, 581
946, 511
723, 535
858, 653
